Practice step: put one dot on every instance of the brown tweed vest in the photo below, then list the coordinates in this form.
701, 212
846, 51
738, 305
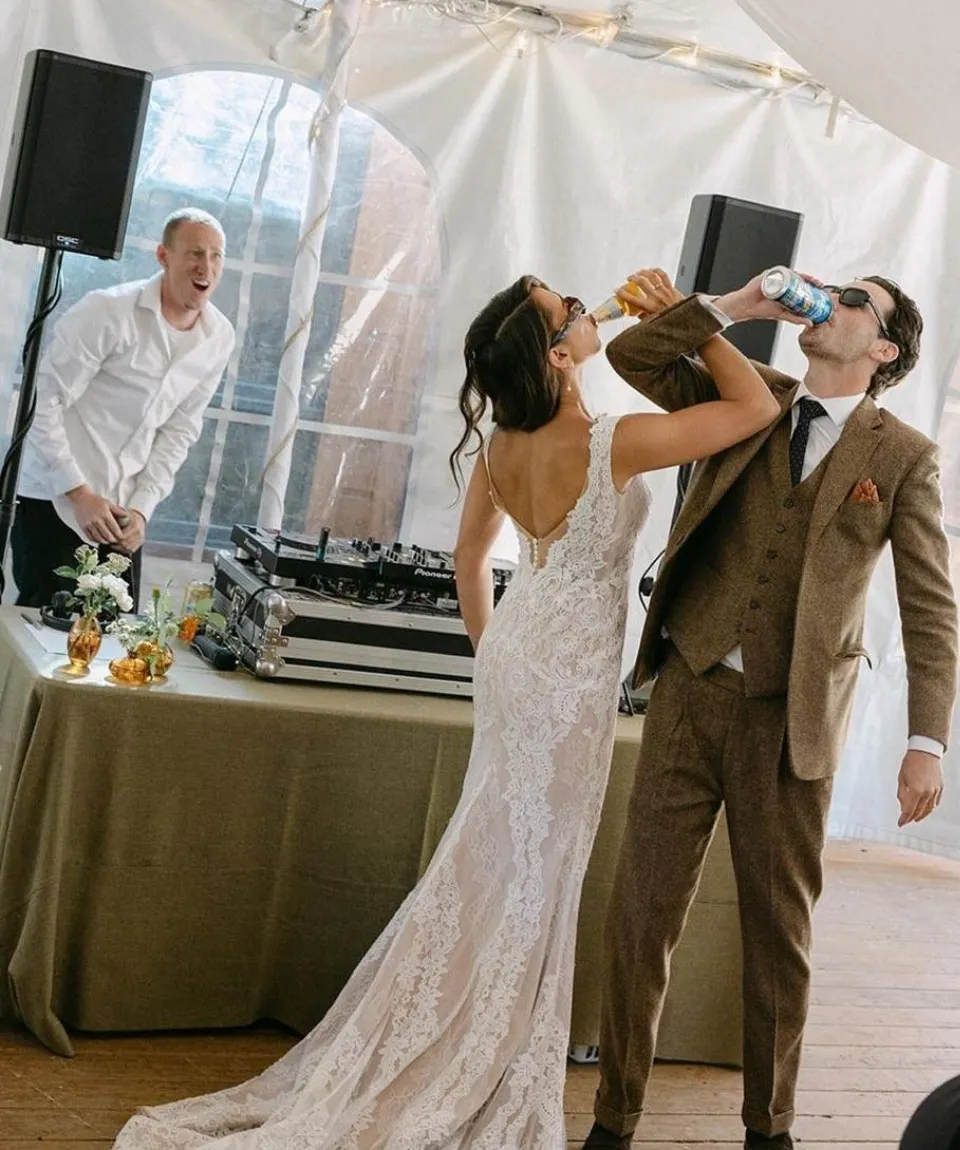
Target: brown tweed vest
742, 575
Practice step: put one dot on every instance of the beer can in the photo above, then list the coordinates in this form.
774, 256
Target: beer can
793, 292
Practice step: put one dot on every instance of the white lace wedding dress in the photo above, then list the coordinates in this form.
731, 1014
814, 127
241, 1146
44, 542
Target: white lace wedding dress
452, 1033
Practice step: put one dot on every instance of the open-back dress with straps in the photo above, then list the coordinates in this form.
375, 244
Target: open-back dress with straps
452, 1033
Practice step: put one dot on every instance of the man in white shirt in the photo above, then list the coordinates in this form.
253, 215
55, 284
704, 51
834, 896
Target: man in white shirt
121, 393
755, 633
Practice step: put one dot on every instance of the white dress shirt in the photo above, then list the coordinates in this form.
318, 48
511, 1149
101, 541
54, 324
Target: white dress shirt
824, 433
120, 399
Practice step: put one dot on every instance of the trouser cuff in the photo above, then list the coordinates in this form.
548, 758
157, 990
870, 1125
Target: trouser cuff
615, 1120
765, 1124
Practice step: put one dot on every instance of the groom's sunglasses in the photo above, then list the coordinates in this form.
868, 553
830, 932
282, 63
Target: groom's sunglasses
857, 297
575, 309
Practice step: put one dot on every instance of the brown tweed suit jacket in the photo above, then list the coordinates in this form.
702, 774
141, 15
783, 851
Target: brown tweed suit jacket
845, 541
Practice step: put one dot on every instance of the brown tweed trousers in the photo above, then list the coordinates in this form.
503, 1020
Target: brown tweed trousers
782, 572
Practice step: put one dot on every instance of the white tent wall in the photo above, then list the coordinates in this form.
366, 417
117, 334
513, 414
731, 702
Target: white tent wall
578, 164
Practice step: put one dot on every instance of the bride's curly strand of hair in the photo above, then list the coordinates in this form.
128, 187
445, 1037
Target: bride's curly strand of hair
505, 352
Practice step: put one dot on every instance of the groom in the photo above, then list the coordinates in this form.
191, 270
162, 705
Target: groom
755, 632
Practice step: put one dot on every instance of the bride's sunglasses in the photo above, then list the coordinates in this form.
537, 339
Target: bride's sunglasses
857, 297
575, 309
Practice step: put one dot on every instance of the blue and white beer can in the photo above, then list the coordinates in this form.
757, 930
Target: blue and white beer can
793, 292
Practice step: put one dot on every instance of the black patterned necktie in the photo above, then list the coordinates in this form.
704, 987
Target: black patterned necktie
809, 411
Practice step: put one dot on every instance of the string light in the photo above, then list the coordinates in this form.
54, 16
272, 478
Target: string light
603, 34
686, 54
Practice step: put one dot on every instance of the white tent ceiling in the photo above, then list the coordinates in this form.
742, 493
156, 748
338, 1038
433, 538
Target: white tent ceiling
891, 61
894, 62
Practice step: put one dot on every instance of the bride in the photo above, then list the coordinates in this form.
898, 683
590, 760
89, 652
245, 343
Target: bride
453, 1030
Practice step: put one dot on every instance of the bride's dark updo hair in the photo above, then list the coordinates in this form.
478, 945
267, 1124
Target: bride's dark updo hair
505, 351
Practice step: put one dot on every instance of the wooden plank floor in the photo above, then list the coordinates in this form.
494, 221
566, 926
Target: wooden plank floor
884, 1030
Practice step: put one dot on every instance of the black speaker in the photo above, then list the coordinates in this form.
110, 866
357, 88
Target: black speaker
727, 243
76, 141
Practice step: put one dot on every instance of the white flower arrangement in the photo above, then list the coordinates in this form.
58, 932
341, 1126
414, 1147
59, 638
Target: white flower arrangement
98, 584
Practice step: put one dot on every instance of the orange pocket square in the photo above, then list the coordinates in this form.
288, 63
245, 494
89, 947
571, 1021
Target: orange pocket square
865, 492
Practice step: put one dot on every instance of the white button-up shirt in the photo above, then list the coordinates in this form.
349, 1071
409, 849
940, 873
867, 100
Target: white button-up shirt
120, 399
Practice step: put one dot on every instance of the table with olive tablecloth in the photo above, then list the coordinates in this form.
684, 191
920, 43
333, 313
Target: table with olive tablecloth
217, 850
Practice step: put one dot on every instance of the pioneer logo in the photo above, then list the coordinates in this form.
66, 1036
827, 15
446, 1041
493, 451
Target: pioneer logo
433, 573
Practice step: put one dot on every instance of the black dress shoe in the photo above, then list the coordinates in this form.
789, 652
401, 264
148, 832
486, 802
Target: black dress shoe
600, 1138
757, 1141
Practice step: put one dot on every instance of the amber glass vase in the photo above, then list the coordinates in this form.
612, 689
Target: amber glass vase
159, 659
83, 643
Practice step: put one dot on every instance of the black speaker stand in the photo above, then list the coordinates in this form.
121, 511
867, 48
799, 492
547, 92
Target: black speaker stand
48, 296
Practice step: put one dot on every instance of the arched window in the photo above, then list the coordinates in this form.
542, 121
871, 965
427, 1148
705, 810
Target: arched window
235, 143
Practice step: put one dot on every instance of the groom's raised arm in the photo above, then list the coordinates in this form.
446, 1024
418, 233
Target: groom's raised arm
656, 356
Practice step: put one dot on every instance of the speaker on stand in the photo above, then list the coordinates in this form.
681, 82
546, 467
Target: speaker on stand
67, 186
727, 242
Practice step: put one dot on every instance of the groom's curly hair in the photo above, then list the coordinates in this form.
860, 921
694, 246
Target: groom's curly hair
905, 325
505, 353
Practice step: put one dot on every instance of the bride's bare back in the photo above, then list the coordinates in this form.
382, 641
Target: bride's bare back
536, 477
